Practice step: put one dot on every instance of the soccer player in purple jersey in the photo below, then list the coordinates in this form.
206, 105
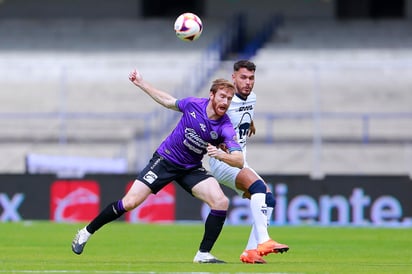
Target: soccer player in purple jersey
203, 126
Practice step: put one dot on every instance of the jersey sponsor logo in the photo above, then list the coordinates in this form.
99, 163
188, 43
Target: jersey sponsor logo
150, 177
245, 108
193, 114
193, 141
193, 137
158, 161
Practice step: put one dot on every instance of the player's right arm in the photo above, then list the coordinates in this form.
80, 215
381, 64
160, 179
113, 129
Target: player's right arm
161, 97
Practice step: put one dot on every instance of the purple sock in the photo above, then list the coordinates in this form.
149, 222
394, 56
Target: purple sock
213, 227
220, 213
120, 207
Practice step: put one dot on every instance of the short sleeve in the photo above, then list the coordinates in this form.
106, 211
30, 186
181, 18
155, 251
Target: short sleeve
230, 138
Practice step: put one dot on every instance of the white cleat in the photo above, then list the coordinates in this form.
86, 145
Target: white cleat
80, 241
206, 258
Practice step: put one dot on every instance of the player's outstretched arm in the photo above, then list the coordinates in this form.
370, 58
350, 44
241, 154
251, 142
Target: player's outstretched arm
234, 158
161, 97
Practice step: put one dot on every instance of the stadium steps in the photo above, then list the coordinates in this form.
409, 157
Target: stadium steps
351, 67
69, 66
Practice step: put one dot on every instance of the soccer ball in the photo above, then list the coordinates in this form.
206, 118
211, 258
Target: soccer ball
188, 27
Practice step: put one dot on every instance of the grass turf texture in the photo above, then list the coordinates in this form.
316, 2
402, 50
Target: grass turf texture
44, 247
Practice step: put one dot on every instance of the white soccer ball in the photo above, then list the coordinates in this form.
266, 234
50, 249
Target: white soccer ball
188, 27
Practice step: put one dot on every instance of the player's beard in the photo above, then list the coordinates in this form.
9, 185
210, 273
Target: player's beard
245, 92
219, 109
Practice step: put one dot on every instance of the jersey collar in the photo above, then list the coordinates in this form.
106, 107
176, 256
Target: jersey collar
240, 97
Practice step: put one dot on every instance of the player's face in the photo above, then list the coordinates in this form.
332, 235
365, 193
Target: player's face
244, 81
221, 100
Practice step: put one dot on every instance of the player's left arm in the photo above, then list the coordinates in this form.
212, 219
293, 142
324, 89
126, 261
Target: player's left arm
229, 151
252, 129
233, 158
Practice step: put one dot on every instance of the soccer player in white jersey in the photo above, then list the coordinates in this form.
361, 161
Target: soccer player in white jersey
246, 181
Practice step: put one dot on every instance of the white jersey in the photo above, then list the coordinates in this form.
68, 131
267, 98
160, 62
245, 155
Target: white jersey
241, 115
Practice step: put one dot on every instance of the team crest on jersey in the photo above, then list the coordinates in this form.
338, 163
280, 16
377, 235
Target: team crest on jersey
202, 127
213, 135
193, 114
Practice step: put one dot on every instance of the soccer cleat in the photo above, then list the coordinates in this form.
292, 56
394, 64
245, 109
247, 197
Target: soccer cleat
206, 258
80, 241
271, 246
251, 257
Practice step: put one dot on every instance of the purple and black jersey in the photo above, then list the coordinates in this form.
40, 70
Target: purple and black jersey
187, 143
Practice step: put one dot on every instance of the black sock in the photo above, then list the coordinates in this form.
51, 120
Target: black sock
110, 213
213, 227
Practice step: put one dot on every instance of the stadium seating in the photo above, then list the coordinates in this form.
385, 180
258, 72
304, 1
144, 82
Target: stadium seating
338, 92
343, 69
78, 70
64, 67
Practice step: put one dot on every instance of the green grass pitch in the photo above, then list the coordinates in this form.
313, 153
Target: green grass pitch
44, 247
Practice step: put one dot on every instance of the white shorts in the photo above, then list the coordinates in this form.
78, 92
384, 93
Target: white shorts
225, 174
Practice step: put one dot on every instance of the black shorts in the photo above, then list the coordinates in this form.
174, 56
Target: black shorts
160, 172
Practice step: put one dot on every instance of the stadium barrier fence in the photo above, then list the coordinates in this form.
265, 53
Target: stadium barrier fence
378, 201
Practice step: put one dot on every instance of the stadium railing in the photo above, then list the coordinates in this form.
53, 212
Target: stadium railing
269, 120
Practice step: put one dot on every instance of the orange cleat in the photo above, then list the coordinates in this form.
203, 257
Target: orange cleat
271, 246
251, 256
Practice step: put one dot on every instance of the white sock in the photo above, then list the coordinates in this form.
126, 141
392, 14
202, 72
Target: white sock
259, 213
252, 242
269, 215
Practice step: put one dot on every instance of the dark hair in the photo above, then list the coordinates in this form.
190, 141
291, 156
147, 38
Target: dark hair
244, 64
221, 84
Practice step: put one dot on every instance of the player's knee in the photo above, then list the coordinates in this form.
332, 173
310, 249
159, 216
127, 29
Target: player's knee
257, 187
270, 199
221, 204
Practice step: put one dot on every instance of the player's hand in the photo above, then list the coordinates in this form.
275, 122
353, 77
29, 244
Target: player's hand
223, 147
135, 77
252, 129
213, 151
